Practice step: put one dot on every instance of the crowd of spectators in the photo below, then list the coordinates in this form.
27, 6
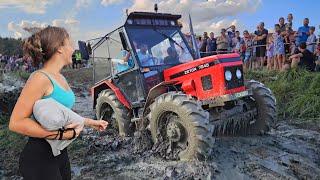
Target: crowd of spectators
23, 63
283, 49
15, 63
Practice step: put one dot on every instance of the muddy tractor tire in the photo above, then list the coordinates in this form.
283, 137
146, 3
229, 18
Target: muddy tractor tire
181, 127
266, 107
109, 108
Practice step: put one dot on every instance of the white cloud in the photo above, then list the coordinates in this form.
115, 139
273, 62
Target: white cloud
110, 2
28, 6
208, 15
71, 25
83, 3
216, 26
18, 29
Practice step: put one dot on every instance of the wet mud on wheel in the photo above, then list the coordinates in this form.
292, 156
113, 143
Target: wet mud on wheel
109, 108
180, 127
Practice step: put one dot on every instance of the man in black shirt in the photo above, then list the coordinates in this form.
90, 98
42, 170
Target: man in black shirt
211, 44
303, 58
203, 47
261, 38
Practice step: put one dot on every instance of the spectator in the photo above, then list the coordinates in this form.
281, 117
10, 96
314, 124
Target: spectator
303, 32
289, 41
212, 44
318, 58
236, 42
74, 62
303, 58
246, 49
312, 40
231, 35
78, 59
222, 42
289, 19
282, 25
270, 53
199, 42
203, 47
261, 39
279, 51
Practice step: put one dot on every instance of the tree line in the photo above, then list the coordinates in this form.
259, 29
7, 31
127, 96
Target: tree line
10, 46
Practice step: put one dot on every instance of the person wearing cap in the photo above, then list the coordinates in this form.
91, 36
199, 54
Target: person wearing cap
222, 42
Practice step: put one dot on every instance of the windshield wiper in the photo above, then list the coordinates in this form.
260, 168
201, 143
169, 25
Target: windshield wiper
170, 38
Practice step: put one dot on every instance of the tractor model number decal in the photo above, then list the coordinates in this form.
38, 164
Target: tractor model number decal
202, 66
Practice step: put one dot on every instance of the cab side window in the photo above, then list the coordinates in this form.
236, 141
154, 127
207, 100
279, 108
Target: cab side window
102, 65
120, 57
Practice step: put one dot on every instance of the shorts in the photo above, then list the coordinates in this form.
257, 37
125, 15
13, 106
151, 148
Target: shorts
261, 51
246, 57
37, 162
78, 62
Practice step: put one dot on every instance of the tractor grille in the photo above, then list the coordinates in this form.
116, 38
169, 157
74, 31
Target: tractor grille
206, 82
235, 82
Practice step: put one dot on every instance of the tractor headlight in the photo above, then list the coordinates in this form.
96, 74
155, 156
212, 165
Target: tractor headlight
228, 75
238, 73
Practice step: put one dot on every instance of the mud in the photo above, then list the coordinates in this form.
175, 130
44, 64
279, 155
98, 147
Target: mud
10, 88
287, 152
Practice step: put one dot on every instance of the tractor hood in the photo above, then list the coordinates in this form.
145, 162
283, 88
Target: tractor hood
209, 76
198, 65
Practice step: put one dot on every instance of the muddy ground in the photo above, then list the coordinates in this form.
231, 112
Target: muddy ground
287, 152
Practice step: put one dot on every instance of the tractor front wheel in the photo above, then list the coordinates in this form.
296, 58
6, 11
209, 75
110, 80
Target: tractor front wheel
265, 103
109, 108
180, 127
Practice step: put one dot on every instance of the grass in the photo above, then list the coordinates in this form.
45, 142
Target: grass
297, 92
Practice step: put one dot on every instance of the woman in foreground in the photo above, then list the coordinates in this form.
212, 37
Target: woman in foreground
53, 48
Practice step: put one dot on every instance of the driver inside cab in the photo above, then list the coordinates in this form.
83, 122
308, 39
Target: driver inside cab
145, 58
173, 57
123, 63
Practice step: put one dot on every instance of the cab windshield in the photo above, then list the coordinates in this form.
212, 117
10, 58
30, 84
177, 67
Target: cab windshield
161, 46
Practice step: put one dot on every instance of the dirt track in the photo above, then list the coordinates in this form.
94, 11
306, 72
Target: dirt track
285, 153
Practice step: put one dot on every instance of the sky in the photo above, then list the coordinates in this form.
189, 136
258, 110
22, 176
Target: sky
86, 19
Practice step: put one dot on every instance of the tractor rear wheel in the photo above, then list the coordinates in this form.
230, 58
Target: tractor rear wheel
109, 108
180, 127
266, 106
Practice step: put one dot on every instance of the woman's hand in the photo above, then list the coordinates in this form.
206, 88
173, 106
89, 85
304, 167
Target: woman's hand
99, 125
77, 127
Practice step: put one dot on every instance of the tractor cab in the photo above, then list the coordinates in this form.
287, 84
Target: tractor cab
135, 55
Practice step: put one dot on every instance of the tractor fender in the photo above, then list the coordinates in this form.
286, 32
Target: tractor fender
107, 84
157, 91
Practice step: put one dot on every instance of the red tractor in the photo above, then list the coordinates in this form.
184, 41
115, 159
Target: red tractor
147, 77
